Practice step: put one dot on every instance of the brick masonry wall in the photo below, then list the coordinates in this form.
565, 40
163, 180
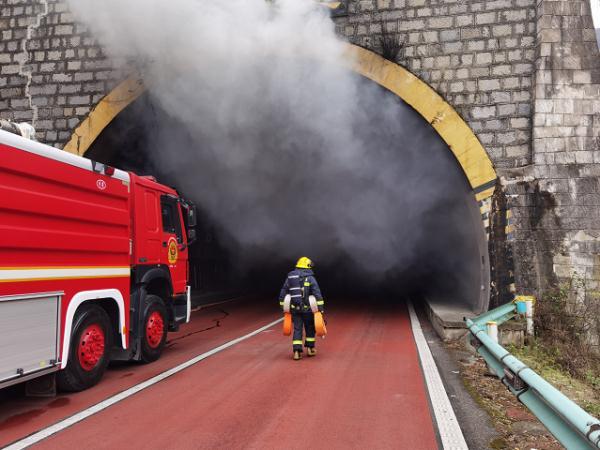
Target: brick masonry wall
560, 208
52, 71
479, 55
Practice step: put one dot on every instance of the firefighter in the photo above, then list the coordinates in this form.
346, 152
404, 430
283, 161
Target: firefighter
300, 284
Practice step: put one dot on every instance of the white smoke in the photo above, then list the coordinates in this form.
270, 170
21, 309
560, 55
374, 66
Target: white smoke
284, 148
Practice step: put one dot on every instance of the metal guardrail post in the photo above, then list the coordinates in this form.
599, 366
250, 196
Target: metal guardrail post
529, 317
492, 330
571, 425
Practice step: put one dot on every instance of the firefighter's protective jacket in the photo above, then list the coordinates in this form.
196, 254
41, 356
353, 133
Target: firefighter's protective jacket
300, 283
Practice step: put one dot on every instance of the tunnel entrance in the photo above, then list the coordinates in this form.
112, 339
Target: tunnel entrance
431, 235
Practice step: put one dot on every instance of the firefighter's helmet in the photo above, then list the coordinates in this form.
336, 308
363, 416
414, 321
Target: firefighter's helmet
304, 263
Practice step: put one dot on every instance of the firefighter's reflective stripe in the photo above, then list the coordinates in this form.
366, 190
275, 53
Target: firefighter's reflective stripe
320, 302
306, 284
312, 300
294, 276
309, 339
295, 289
286, 303
297, 342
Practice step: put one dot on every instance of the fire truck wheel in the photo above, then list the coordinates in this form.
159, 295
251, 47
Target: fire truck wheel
89, 350
155, 328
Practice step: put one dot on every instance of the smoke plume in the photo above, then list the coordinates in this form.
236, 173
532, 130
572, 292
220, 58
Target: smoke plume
288, 151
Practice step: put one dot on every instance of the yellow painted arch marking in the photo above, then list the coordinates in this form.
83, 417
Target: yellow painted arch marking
457, 134
330, 5
103, 113
461, 140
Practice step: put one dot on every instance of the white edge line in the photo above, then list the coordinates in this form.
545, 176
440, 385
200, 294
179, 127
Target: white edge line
81, 415
448, 428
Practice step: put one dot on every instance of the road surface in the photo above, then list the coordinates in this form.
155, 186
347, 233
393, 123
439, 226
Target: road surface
364, 389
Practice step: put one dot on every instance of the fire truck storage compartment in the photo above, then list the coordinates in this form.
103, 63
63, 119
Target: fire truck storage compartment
29, 341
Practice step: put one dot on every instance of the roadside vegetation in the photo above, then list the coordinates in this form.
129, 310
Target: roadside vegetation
567, 328
517, 428
565, 351
583, 389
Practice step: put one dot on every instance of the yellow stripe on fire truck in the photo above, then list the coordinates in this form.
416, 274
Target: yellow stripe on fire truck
16, 274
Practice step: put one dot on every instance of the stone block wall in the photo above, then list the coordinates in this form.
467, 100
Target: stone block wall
478, 54
564, 201
52, 72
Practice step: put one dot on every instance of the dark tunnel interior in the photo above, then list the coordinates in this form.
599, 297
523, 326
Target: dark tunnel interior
447, 260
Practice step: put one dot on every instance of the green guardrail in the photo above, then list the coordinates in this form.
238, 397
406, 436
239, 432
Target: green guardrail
572, 426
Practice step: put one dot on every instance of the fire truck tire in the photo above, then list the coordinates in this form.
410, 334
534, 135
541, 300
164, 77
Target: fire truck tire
155, 328
89, 350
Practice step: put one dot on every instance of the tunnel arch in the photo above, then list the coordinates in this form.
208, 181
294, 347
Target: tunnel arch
443, 118
461, 140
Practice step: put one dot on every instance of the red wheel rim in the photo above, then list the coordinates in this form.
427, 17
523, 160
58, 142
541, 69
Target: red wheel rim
91, 347
155, 328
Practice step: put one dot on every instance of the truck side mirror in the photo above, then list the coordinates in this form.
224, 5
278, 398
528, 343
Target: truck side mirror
191, 216
191, 236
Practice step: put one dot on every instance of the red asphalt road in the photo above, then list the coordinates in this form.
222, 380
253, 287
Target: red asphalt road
22, 416
363, 390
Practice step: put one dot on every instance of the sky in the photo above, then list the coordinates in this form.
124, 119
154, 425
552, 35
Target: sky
596, 16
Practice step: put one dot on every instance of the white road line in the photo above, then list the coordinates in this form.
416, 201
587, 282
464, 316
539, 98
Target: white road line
78, 417
448, 428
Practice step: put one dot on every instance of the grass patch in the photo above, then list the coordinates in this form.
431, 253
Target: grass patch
584, 391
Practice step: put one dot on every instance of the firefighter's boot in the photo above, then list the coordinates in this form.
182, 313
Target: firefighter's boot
297, 355
311, 351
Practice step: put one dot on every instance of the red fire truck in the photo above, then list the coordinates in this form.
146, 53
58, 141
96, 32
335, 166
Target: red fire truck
93, 265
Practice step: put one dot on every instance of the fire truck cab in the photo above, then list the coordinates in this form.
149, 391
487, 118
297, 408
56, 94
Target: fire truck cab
94, 265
